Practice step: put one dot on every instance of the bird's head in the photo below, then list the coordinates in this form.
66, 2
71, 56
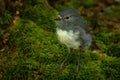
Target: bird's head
68, 15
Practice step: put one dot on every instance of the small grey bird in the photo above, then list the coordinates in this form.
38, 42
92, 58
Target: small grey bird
73, 32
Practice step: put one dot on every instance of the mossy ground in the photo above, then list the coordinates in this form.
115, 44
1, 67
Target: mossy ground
33, 51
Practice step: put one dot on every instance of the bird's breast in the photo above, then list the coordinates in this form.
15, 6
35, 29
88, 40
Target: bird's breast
69, 38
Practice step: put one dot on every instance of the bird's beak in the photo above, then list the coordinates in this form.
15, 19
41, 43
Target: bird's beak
58, 18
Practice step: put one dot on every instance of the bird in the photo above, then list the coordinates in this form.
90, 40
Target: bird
73, 32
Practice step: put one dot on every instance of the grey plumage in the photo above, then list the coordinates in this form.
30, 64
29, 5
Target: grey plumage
76, 18
72, 30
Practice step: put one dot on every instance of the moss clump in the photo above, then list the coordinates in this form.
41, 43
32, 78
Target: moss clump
111, 68
35, 49
114, 50
41, 13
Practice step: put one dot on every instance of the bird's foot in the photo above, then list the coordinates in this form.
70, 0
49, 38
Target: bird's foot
77, 69
61, 67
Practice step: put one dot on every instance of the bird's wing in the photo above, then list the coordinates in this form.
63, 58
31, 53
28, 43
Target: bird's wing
84, 26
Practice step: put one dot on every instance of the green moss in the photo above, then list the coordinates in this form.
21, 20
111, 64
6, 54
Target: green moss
108, 42
39, 55
111, 68
89, 3
5, 18
91, 71
114, 50
41, 13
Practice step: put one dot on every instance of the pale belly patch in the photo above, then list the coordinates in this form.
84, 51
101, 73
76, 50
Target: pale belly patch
68, 38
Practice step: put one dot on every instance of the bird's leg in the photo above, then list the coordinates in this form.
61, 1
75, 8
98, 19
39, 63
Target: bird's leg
70, 50
78, 66
61, 66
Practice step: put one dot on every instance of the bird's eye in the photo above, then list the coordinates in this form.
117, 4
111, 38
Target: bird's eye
67, 17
